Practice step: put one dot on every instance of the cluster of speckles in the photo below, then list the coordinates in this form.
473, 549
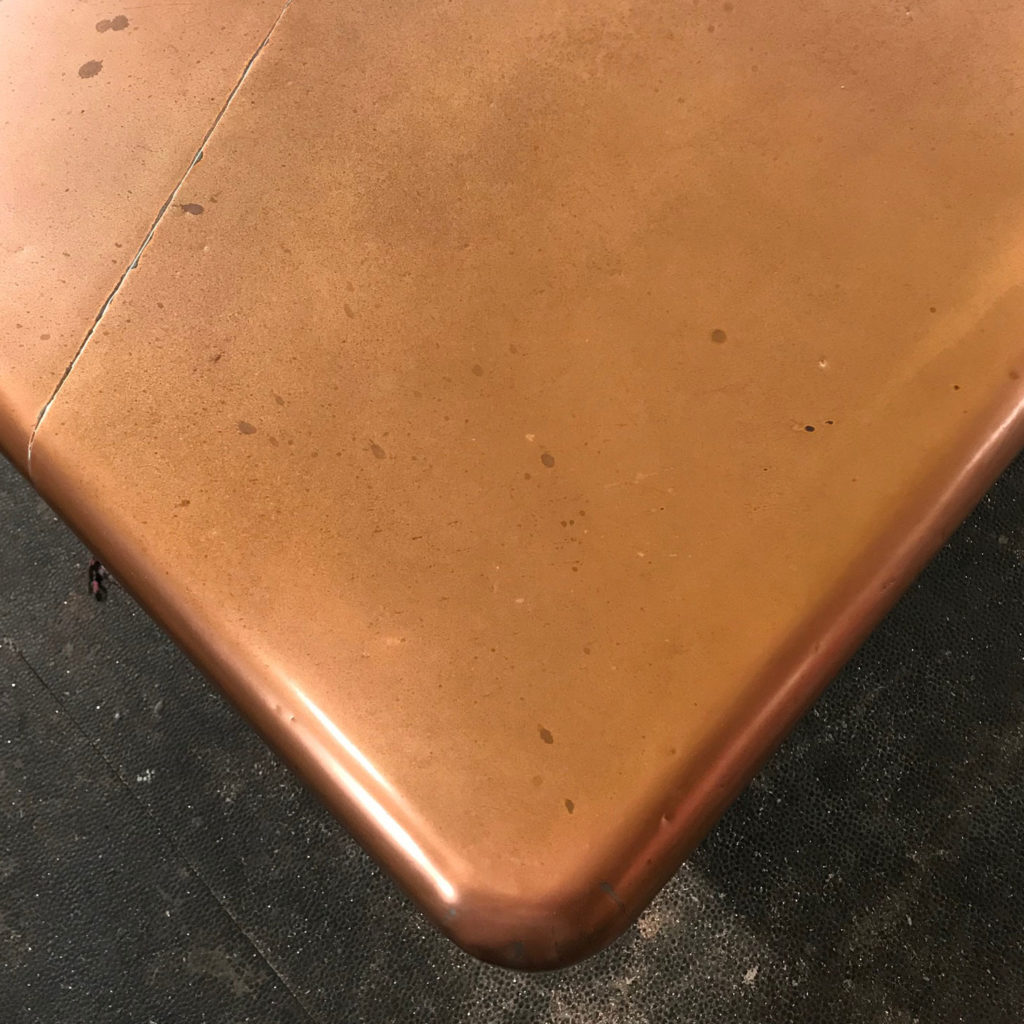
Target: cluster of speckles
719, 337
91, 68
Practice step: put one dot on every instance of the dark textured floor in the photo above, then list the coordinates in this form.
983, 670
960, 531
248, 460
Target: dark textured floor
158, 865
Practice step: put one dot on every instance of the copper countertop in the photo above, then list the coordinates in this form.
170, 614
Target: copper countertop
521, 412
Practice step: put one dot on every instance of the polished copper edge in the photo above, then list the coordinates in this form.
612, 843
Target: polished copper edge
553, 935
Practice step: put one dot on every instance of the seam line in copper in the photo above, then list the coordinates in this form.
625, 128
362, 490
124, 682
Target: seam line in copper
168, 202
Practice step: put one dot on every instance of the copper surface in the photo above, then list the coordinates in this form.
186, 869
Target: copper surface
101, 112
545, 403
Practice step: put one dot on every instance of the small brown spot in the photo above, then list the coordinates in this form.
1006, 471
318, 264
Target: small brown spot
90, 69
192, 208
809, 429
527, 476
548, 459
184, 503
378, 452
273, 440
586, 650
956, 387
119, 24
545, 734
569, 805
279, 399
245, 428
538, 780
718, 336
349, 312
44, 337
478, 370
1014, 375
102, 26
931, 309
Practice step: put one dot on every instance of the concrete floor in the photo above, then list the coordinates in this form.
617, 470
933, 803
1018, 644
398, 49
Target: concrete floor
157, 863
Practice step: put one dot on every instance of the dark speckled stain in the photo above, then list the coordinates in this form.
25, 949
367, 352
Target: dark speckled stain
378, 452
545, 734
718, 336
245, 428
90, 69
548, 459
569, 805
118, 24
192, 208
